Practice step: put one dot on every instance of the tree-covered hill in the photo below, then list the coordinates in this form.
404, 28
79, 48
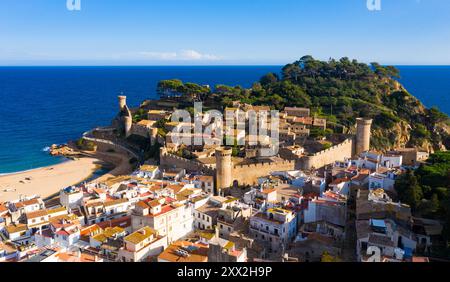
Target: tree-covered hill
340, 90
427, 191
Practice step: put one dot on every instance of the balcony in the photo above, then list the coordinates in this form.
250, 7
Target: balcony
263, 230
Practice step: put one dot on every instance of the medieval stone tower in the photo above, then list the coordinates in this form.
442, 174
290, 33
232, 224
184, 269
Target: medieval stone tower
122, 102
363, 134
127, 120
224, 167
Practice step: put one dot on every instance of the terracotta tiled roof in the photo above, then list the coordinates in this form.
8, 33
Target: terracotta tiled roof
123, 222
339, 181
115, 202
36, 214
26, 203
197, 253
140, 235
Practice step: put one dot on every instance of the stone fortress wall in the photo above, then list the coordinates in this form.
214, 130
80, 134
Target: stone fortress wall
242, 174
173, 161
248, 174
227, 174
338, 152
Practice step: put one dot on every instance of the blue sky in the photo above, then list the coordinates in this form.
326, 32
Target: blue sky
222, 32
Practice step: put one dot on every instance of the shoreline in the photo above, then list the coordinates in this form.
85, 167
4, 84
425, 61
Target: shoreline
47, 181
64, 160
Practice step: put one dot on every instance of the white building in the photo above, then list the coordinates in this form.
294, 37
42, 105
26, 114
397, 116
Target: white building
341, 186
98, 211
205, 182
276, 227
71, 197
166, 217
392, 240
332, 208
64, 231
7, 252
18, 232
385, 181
18, 208
141, 245
148, 171
391, 161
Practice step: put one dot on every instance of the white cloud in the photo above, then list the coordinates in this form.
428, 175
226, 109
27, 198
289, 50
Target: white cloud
159, 55
183, 55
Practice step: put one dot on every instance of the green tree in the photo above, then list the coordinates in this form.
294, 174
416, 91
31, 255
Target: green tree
409, 190
168, 87
269, 78
429, 207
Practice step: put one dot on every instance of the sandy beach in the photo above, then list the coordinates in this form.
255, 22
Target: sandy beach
48, 180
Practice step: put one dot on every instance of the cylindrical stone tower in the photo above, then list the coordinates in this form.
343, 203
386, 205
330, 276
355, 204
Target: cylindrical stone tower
153, 135
224, 168
122, 102
363, 134
128, 123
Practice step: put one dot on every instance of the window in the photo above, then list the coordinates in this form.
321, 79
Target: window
363, 246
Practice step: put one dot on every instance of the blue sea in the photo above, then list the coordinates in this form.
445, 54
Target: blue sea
41, 106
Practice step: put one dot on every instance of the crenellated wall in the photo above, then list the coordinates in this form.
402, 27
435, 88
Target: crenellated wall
170, 160
338, 152
249, 174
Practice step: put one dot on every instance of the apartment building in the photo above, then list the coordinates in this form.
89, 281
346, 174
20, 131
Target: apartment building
164, 215
276, 227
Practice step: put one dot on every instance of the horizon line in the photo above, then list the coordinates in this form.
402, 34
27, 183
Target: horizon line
210, 65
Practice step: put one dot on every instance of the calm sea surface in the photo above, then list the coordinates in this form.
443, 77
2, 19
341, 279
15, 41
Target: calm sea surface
41, 106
